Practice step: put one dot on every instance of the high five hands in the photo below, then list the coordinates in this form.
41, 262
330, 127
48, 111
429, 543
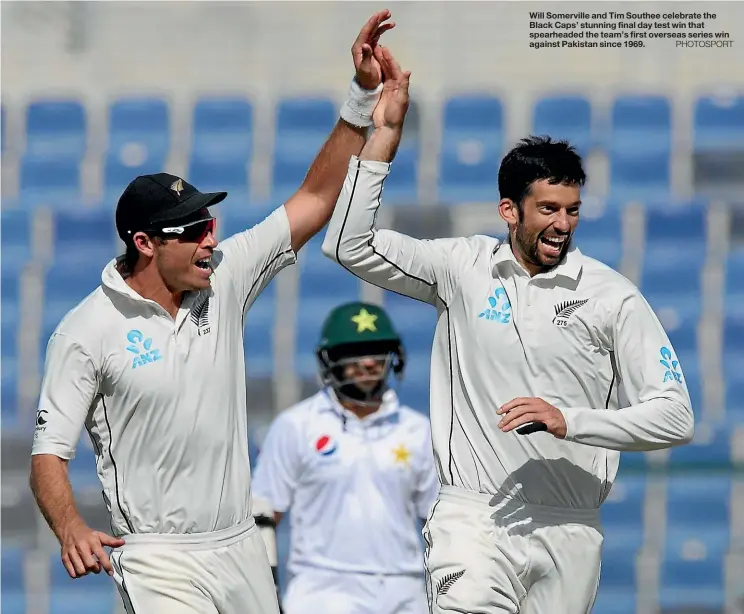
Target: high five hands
393, 105
368, 69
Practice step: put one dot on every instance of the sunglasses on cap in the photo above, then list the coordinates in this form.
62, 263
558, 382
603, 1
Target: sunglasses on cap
193, 232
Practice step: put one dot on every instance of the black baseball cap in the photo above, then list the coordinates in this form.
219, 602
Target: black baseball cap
151, 200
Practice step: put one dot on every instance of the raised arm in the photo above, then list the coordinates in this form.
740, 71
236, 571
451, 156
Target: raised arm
416, 268
310, 208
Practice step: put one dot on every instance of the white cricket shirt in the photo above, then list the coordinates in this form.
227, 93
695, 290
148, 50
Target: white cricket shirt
580, 336
357, 489
164, 401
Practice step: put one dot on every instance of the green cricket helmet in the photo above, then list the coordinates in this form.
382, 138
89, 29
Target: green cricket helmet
352, 334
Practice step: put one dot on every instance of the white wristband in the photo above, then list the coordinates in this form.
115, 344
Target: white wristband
359, 105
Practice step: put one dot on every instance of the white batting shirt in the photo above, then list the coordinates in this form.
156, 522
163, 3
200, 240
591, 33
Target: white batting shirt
357, 488
163, 400
580, 336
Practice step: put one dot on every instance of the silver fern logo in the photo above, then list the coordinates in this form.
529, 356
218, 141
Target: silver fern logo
200, 316
447, 581
564, 310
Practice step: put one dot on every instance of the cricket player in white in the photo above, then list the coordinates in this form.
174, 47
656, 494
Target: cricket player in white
356, 468
152, 364
545, 364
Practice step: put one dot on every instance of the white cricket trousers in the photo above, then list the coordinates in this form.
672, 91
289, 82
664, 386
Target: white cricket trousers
228, 573
318, 591
489, 556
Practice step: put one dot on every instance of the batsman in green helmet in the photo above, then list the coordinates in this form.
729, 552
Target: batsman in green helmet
357, 470
358, 349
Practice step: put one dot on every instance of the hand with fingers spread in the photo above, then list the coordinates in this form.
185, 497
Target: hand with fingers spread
368, 69
83, 550
393, 105
523, 410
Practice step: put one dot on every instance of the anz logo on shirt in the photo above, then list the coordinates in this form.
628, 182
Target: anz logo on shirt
499, 307
671, 364
144, 353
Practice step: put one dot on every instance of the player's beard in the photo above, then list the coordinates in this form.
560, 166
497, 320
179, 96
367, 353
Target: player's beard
527, 242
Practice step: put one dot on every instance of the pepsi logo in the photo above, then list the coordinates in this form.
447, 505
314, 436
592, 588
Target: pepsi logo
325, 446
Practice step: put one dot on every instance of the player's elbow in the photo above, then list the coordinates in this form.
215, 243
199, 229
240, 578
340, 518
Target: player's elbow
684, 423
346, 250
329, 247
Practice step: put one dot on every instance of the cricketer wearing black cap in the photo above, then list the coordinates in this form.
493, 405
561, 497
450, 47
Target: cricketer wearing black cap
152, 362
152, 200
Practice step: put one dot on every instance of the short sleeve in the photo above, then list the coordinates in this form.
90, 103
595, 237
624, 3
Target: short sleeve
68, 391
253, 257
279, 464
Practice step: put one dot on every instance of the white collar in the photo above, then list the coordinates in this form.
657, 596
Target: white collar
570, 266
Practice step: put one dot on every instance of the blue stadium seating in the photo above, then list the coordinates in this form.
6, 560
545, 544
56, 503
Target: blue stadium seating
623, 508
734, 402
9, 394
641, 125
93, 594
144, 121
222, 130
718, 125
315, 302
413, 389
229, 176
695, 496
258, 336
56, 129
472, 144
13, 594
692, 572
9, 338
50, 183
414, 320
119, 170
675, 237
733, 359
219, 158
283, 537
139, 142
87, 237
64, 288
401, 184
15, 226
302, 126
566, 117
632, 463
639, 176
82, 469
734, 284
601, 238
617, 583
684, 339
639, 147
310, 316
710, 448
10, 314
237, 219
689, 362
319, 273
733, 344
673, 292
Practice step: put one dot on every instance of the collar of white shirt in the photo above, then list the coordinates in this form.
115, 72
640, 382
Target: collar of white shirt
569, 267
113, 281
388, 411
